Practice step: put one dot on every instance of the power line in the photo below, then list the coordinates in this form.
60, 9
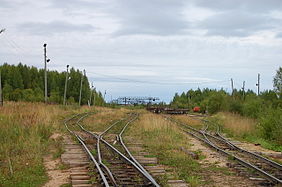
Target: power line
115, 79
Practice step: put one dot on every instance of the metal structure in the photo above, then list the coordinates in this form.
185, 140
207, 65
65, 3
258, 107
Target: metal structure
166, 110
136, 100
45, 71
243, 89
258, 83
66, 84
128, 171
268, 169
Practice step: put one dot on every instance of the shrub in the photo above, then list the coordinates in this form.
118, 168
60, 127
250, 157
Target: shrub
236, 106
216, 103
252, 107
270, 124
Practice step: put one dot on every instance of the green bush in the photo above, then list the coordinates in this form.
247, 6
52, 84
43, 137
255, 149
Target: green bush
236, 106
217, 102
270, 124
252, 107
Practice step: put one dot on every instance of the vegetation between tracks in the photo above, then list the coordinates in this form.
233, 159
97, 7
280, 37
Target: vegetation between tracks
165, 140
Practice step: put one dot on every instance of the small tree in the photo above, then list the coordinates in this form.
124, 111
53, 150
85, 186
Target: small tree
277, 82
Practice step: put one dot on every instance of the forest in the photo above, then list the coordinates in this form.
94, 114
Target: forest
265, 108
24, 83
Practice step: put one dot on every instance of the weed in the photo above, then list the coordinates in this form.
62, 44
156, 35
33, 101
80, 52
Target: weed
162, 139
25, 130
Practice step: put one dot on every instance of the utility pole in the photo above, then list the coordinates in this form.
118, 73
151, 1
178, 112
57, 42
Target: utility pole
232, 87
82, 76
66, 84
94, 97
105, 96
90, 99
45, 71
1, 97
258, 83
243, 88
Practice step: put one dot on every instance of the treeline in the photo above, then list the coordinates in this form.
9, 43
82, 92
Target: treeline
265, 107
23, 83
212, 101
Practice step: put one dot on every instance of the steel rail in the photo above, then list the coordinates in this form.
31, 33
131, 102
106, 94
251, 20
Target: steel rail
87, 150
110, 175
118, 152
131, 156
262, 158
266, 160
242, 162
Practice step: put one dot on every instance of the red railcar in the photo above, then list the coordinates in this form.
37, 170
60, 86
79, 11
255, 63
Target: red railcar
196, 109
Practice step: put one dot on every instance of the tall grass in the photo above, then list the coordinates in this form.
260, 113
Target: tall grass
265, 131
189, 120
164, 140
237, 124
25, 129
103, 117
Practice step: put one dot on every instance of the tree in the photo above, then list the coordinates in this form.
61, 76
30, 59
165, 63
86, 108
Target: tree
277, 82
26, 83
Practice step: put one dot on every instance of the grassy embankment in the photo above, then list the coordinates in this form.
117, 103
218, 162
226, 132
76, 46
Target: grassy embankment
25, 130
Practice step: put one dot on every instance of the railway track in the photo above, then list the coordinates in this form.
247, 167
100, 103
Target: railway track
113, 162
262, 166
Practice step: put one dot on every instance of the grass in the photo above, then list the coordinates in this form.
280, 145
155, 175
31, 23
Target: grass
25, 130
103, 118
244, 128
189, 121
163, 139
237, 125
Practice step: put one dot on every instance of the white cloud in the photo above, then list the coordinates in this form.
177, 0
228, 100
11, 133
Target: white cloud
148, 47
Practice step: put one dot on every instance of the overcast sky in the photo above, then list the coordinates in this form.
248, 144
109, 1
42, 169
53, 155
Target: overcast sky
148, 47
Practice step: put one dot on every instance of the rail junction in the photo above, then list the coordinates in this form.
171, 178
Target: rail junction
270, 171
113, 162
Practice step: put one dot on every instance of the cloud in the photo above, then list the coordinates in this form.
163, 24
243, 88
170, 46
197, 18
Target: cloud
74, 4
279, 35
258, 6
154, 17
9, 4
54, 27
237, 23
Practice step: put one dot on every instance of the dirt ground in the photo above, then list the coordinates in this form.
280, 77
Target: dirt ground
260, 150
216, 178
57, 176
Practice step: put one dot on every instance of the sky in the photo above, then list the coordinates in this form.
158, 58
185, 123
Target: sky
148, 47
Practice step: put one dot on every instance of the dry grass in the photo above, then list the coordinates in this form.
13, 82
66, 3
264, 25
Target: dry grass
25, 129
237, 124
189, 120
164, 139
103, 118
